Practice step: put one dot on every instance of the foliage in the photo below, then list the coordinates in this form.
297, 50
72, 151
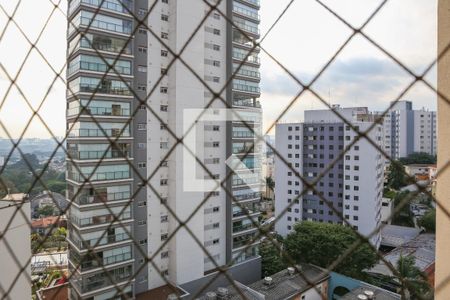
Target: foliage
321, 244
271, 259
428, 221
418, 158
396, 177
46, 210
18, 177
411, 278
402, 217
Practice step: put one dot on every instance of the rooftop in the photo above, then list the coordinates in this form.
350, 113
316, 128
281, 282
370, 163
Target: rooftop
422, 248
378, 294
47, 221
283, 285
395, 236
15, 197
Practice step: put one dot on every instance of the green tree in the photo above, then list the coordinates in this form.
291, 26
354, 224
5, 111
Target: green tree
45, 211
396, 177
321, 244
428, 221
270, 185
271, 258
412, 280
402, 216
418, 158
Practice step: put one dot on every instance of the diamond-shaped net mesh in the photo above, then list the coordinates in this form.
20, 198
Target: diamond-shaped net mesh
112, 66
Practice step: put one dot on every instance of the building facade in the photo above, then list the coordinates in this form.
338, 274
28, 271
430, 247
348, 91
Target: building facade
127, 97
353, 185
407, 131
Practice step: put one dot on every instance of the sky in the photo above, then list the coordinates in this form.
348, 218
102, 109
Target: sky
303, 41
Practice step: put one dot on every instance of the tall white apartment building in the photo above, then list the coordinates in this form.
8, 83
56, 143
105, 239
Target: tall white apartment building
107, 230
407, 131
353, 185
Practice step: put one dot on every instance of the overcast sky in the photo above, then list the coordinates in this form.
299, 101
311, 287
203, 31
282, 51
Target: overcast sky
303, 41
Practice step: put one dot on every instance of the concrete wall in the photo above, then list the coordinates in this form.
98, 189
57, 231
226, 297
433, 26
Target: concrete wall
443, 188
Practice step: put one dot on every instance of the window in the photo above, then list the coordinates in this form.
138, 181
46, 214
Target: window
142, 145
142, 203
142, 69
165, 254
142, 11
216, 128
142, 107
164, 35
163, 71
164, 17
216, 32
142, 87
142, 30
216, 16
142, 165
142, 222
216, 47
216, 225
216, 63
215, 144
164, 237
163, 182
142, 242
216, 79
215, 242
142, 49
216, 209
164, 219
165, 1
163, 90
164, 53
163, 107
163, 163
141, 126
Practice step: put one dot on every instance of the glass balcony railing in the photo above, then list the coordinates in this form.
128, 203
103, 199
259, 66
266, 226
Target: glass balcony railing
98, 67
252, 58
99, 220
114, 132
243, 134
90, 283
254, 2
86, 155
241, 228
246, 88
89, 264
248, 28
105, 25
96, 242
122, 6
99, 111
246, 12
248, 73
101, 198
101, 176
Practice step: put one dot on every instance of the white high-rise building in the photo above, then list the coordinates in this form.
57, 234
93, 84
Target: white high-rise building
407, 131
145, 70
353, 186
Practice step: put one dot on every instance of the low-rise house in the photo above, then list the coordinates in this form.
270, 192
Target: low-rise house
45, 225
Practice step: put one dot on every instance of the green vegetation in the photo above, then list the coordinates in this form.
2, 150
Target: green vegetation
428, 221
45, 211
320, 244
396, 177
403, 216
18, 178
418, 158
411, 278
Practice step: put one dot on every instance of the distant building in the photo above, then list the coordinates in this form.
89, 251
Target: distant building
407, 131
353, 186
309, 283
15, 247
46, 198
422, 172
422, 248
45, 225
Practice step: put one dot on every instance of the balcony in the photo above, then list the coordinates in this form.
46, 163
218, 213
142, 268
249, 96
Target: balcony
247, 73
246, 88
121, 7
101, 176
101, 198
100, 220
252, 58
246, 13
97, 242
243, 228
90, 155
252, 2
86, 284
99, 67
100, 111
108, 26
248, 29
113, 132
86, 264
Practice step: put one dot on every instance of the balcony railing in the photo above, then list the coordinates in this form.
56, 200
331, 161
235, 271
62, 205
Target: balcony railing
99, 220
105, 25
247, 73
243, 134
246, 12
96, 242
99, 67
114, 132
87, 155
248, 28
248, 58
90, 264
246, 88
108, 5
101, 198
86, 285
241, 228
95, 88
99, 176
